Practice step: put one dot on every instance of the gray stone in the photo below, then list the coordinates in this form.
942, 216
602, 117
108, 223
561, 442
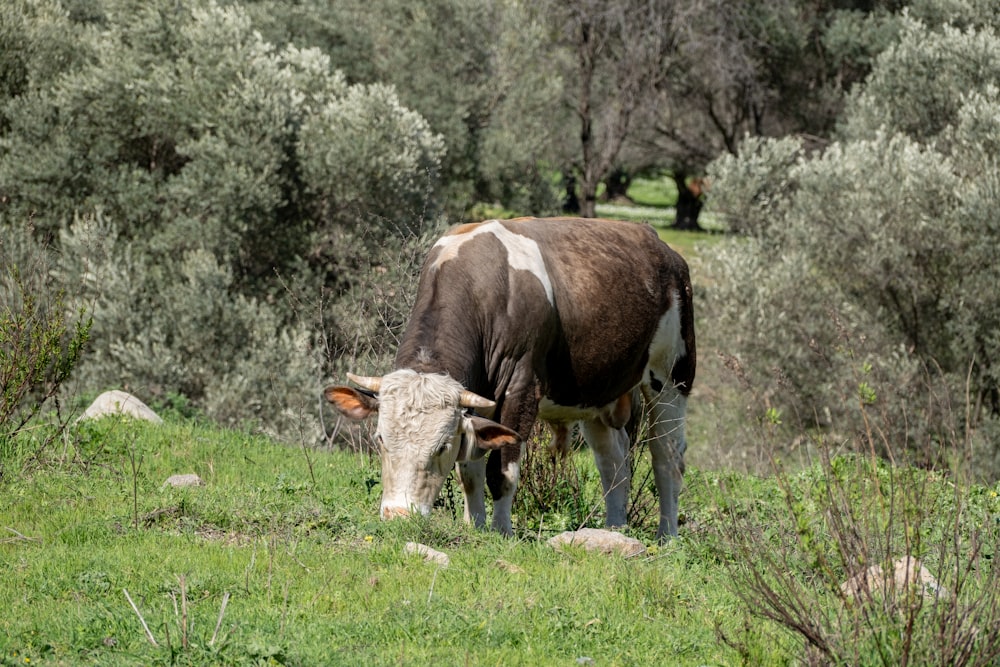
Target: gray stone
117, 402
597, 539
906, 572
189, 479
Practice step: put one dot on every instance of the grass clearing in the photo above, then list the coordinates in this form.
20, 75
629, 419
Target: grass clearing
658, 191
304, 573
309, 574
280, 557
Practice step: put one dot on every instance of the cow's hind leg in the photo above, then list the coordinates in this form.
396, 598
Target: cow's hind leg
611, 453
667, 446
472, 476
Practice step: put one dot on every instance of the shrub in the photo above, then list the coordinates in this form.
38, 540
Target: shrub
919, 85
178, 326
884, 238
190, 131
41, 340
210, 188
365, 157
556, 493
846, 514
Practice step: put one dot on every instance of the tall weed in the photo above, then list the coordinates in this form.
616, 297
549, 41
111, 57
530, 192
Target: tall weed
819, 566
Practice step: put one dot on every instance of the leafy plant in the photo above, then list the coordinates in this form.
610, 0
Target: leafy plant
215, 196
556, 492
881, 241
41, 341
866, 559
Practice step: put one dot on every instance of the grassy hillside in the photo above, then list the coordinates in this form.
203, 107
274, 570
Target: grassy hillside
280, 559
311, 575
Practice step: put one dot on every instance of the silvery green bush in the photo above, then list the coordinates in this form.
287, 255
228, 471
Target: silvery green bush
190, 131
175, 328
214, 196
866, 273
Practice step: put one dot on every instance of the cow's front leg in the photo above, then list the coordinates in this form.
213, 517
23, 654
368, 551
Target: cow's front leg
503, 469
503, 480
472, 476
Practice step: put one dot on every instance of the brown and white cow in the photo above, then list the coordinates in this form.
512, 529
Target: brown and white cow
564, 320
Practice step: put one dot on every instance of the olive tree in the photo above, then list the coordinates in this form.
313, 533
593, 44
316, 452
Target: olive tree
194, 175
476, 71
613, 57
864, 270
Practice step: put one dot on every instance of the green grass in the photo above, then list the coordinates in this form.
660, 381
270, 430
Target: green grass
312, 576
658, 191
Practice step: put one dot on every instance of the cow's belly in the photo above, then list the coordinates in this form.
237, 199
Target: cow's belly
554, 413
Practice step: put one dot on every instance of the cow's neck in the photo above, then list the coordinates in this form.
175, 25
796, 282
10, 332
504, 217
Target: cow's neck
444, 348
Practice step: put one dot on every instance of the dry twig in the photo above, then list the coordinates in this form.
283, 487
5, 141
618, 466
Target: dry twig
149, 635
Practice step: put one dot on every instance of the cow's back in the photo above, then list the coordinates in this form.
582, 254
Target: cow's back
577, 300
612, 281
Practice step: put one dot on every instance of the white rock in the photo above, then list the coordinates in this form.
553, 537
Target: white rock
597, 539
430, 555
190, 479
117, 402
906, 572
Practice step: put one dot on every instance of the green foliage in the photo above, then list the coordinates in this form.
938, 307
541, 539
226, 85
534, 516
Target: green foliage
557, 493
756, 185
368, 321
370, 159
38, 41
194, 132
792, 564
919, 84
206, 186
41, 338
476, 72
179, 327
854, 39
959, 13
875, 250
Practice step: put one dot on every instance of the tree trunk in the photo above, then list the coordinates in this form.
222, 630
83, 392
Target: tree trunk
588, 207
616, 186
571, 203
688, 202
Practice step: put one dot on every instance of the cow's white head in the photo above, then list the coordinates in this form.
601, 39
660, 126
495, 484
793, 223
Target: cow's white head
424, 427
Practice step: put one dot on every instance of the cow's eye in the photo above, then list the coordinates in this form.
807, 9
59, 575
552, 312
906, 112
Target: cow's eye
442, 448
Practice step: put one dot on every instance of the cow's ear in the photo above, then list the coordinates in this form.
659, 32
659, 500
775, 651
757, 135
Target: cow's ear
491, 435
351, 403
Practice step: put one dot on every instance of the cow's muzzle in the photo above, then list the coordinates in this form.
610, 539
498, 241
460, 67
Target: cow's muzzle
394, 512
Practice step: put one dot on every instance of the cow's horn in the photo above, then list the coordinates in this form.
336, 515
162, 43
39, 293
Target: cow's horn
369, 383
471, 400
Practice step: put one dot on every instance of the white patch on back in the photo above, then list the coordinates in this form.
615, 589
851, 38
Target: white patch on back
523, 253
